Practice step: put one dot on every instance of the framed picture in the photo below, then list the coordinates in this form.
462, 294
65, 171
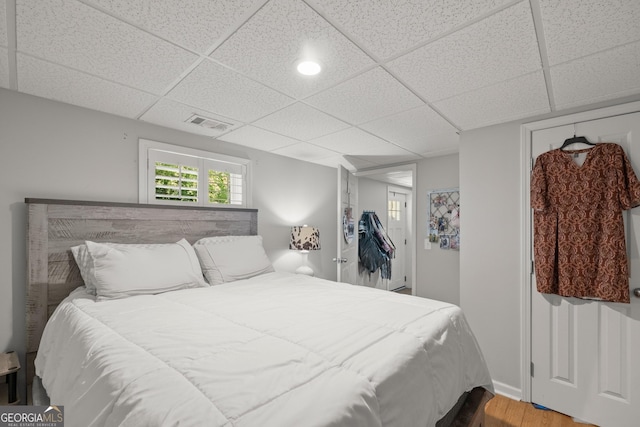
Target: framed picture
445, 242
348, 225
444, 218
454, 242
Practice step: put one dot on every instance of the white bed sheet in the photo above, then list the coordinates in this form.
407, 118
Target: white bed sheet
275, 350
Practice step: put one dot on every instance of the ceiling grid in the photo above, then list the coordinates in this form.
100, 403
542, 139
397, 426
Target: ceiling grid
399, 80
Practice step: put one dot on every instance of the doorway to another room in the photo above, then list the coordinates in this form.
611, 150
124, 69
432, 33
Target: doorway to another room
390, 193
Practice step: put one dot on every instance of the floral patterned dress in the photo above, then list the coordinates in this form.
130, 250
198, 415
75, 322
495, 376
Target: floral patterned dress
579, 241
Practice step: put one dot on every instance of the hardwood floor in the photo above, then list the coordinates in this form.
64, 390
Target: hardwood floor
502, 412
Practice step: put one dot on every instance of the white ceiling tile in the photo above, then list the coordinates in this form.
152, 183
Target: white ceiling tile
575, 28
174, 115
301, 121
389, 27
397, 177
611, 74
193, 24
419, 130
495, 49
514, 99
305, 151
3, 24
366, 97
4, 68
51, 81
220, 90
257, 138
338, 159
474, 62
270, 44
443, 147
359, 163
385, 159
78, 36
354, 141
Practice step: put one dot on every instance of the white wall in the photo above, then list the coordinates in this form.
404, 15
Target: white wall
54, 150
438, 270
372, 196
490, 248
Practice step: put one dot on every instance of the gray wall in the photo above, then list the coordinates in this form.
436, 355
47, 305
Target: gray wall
372, 196
490, 249
54, 150
438, 270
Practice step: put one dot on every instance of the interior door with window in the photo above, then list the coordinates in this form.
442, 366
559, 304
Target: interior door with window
585, 353
347, 256
397, 231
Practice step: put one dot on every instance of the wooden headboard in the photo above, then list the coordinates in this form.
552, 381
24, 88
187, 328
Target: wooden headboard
54, 226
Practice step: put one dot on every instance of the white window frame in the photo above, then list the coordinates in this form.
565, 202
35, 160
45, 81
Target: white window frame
146, 179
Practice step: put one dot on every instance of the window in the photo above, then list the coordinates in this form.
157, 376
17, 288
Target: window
394, 210
178, 175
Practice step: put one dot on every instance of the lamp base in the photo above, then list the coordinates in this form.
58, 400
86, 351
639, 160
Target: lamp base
303, 269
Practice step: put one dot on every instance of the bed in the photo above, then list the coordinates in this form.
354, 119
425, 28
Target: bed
260, 349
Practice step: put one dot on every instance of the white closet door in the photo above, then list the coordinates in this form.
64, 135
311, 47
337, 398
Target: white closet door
585, 353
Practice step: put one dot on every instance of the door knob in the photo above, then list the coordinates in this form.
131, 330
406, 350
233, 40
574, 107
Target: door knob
636, 292
341, 260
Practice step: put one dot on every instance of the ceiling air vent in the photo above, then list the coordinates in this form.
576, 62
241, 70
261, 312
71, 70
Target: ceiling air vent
208, 123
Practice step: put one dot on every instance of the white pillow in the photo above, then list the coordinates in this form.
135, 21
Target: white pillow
85, 262
229, 259
85, 265
123, 270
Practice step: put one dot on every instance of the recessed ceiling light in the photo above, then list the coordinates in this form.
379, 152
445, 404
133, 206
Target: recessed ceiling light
309, 68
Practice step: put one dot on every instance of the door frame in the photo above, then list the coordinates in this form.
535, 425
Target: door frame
408, 197
411, 246
526, 266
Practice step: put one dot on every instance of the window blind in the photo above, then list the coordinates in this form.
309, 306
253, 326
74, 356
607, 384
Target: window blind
186, 179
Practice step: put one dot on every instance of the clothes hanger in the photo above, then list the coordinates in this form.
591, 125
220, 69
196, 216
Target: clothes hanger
576, 140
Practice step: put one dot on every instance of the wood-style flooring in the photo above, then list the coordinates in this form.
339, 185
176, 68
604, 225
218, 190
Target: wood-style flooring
502, 412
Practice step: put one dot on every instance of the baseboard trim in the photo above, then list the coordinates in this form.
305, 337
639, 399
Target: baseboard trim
507, 390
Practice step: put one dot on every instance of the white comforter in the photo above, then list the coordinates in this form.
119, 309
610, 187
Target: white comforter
275, 350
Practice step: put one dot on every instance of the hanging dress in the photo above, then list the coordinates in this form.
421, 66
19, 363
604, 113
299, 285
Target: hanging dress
579, 239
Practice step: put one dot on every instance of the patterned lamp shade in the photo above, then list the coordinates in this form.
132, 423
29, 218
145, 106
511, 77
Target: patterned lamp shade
304, 238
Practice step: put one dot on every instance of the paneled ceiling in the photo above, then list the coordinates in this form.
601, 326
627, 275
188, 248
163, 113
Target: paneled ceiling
400, 79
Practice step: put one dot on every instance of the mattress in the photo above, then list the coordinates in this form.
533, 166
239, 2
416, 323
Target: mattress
274, 350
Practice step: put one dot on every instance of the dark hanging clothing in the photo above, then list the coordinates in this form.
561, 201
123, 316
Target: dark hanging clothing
579, 239
375, 248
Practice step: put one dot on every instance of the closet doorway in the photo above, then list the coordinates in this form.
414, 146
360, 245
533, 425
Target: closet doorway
395, 185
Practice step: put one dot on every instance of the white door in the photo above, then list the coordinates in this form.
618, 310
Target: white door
347, 257
396, 229
585, 353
